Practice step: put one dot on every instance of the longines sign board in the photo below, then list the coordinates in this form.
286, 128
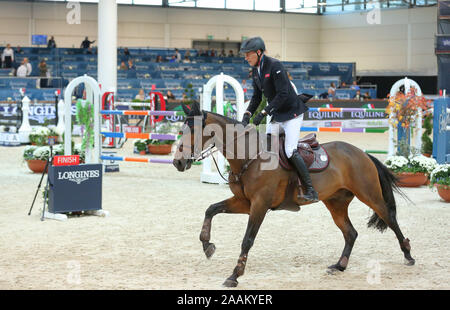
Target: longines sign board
75, 188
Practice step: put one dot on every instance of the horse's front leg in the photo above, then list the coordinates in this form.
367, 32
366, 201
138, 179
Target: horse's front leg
257, 213
231, 205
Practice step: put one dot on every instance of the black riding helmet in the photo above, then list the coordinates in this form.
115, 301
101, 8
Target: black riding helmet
253, 45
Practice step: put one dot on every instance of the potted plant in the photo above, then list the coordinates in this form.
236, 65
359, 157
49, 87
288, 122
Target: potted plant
39, 135
77, 150
162, 147
37, 156
411, 171
141, 146
427, 144
440, 178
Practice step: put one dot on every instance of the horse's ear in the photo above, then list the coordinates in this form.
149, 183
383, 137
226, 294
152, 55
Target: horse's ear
196, 108
186, 109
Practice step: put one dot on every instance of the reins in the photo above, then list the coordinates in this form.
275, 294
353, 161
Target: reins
209, 151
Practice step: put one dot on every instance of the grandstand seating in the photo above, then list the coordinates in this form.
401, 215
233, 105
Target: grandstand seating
67, 63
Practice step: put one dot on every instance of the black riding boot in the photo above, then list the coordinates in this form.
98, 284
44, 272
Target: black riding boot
310, 194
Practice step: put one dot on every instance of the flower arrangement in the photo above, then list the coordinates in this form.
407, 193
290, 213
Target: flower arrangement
405, 107
39, 135
41, 152
140, 145
34, 152
440, 175
413, 164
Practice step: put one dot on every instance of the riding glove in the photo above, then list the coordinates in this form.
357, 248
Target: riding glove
258, 118
246, 119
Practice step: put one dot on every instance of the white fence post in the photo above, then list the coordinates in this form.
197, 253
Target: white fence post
25, 128
218, 81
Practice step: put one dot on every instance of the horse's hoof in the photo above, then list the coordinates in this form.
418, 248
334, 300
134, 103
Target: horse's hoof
335, 269
230, 283
410, 262
210, 250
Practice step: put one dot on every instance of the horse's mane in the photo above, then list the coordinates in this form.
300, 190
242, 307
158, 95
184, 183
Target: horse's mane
225, 118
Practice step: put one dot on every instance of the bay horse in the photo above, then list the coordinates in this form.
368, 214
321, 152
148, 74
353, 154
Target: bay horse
351, 172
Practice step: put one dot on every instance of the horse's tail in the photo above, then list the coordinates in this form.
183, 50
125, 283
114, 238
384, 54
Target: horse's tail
389, 184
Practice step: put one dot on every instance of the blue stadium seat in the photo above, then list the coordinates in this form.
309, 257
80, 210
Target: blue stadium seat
122, 74
147, 84
169, 75
173, 83
196, 83
9, 94
127, 83
126, 95
148, 74
194, 74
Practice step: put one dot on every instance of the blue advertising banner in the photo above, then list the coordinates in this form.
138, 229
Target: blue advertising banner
39, 114
75, 188
443, 43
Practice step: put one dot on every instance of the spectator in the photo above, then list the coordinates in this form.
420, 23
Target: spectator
244, 84
123, 66
177, 56
343, 85
186, 60
25, 68
203, 52
230, 53
51, 43
89, 51
188, 54
213, 53
19, 50
170, 95
366, 96
159, 58
222, 53
126, 52
8, 56
358, 95
86, 43
173, 59
332, 90
355, 86
43, 70
141, 95
131, 65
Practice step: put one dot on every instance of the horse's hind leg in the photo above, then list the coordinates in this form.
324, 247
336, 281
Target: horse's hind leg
231, 205
338, 207
374, 199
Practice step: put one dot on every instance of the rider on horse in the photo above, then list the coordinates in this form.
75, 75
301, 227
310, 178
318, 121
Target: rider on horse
285, 107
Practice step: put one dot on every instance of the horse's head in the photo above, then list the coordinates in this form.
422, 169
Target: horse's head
191, 143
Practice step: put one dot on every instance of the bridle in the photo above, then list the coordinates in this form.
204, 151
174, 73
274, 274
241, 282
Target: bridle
210, 150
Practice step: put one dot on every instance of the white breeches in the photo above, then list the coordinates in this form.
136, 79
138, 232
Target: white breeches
292, 131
